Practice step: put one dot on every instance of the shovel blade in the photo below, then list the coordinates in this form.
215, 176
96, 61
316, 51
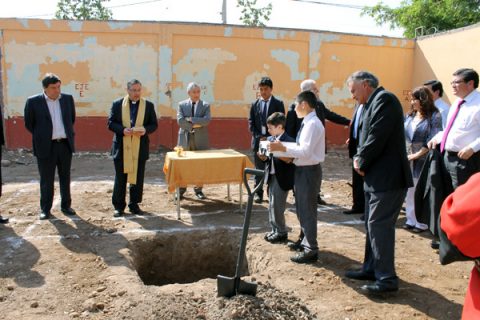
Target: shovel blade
245, 287
225, 286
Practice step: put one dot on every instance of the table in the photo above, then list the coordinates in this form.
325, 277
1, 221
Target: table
204, 167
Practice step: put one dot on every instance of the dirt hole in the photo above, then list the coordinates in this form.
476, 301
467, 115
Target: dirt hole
186, 257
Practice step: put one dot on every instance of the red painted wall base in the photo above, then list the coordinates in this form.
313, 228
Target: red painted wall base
92, 134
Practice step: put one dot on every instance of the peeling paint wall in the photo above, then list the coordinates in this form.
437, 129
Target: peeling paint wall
96, 59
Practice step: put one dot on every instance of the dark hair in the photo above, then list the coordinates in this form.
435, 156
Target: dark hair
436, 86
277, 118
265, 81
49, 79
133, 82
468, 74
425, 96
309, 97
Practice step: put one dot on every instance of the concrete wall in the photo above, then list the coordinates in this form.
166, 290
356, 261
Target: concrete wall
96, 59
438, 56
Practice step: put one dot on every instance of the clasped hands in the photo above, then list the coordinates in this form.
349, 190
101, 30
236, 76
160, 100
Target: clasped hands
136, 131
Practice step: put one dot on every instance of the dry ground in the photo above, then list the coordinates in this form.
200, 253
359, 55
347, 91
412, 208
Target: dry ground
93, 266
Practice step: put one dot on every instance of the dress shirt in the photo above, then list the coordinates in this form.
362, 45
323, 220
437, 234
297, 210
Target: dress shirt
465, 131
133, 112
443, 108
272, 168
264, 108
58, 129
357, 120
310, 149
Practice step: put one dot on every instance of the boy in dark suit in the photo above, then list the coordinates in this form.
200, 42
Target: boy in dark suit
260, 110
280, 175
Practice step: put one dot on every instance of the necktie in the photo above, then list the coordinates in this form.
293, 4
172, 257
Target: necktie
264, 113
449, 125
193, 109
298, 134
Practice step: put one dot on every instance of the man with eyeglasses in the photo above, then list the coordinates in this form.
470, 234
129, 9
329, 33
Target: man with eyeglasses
460, 140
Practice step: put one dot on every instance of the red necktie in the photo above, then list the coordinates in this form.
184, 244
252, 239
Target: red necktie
449, 125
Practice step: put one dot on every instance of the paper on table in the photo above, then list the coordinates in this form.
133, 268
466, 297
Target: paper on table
284, 154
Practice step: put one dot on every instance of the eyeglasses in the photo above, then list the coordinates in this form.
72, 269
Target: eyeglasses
454, 82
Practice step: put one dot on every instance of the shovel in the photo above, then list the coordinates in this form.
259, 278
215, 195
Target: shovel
230, 286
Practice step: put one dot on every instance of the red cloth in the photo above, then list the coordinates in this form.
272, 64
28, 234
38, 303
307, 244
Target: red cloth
460, 219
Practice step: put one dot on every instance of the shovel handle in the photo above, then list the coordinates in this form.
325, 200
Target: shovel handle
254, 172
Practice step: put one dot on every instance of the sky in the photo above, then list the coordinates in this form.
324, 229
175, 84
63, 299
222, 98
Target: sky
327, 15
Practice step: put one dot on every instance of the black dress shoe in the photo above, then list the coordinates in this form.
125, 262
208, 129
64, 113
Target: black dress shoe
136, 210
118, 213
68, 211
3, 220
305, 257
435, 244
200, 195
359, 275
320, 200
257, 198
277, 238
353, 211
181, 196
407, 226
295, 245
377, 288
44, 215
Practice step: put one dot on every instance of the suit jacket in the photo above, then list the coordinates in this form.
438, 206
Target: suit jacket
424, 132
293, 122
353, 142
39, 122
284, 172
202, 117
433, 186
115, 124
381, 153
255, 119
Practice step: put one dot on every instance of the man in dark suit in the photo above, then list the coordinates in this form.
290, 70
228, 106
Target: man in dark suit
50, 116
381, 159
280, 175
131, 119
358, 194
2, 142
293, 122
260, 110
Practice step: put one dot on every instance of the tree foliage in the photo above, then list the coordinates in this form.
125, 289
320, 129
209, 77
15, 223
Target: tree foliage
432, 15
253, 16
83, 10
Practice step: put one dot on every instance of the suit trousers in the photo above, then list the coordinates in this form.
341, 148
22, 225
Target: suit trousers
192, 146
120, 186
460, 170
307, 186
381, 213
260, 165
277, 198
357, 191
60, 158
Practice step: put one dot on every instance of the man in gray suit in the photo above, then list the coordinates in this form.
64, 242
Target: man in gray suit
381, 159
193, 117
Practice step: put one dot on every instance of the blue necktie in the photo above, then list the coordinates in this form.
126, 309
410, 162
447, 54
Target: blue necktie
298, 134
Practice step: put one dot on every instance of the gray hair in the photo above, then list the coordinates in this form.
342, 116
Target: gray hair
191, 86
366, 76
307, 85
133, 82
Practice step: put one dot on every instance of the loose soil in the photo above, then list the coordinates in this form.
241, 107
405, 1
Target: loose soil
94, 266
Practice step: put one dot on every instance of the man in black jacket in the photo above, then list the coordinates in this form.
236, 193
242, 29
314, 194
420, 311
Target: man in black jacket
260, 110
381, 159
50, 116
132, 119
2, 142
293, 122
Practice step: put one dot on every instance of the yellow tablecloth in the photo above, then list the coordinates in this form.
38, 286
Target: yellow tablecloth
204, 167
